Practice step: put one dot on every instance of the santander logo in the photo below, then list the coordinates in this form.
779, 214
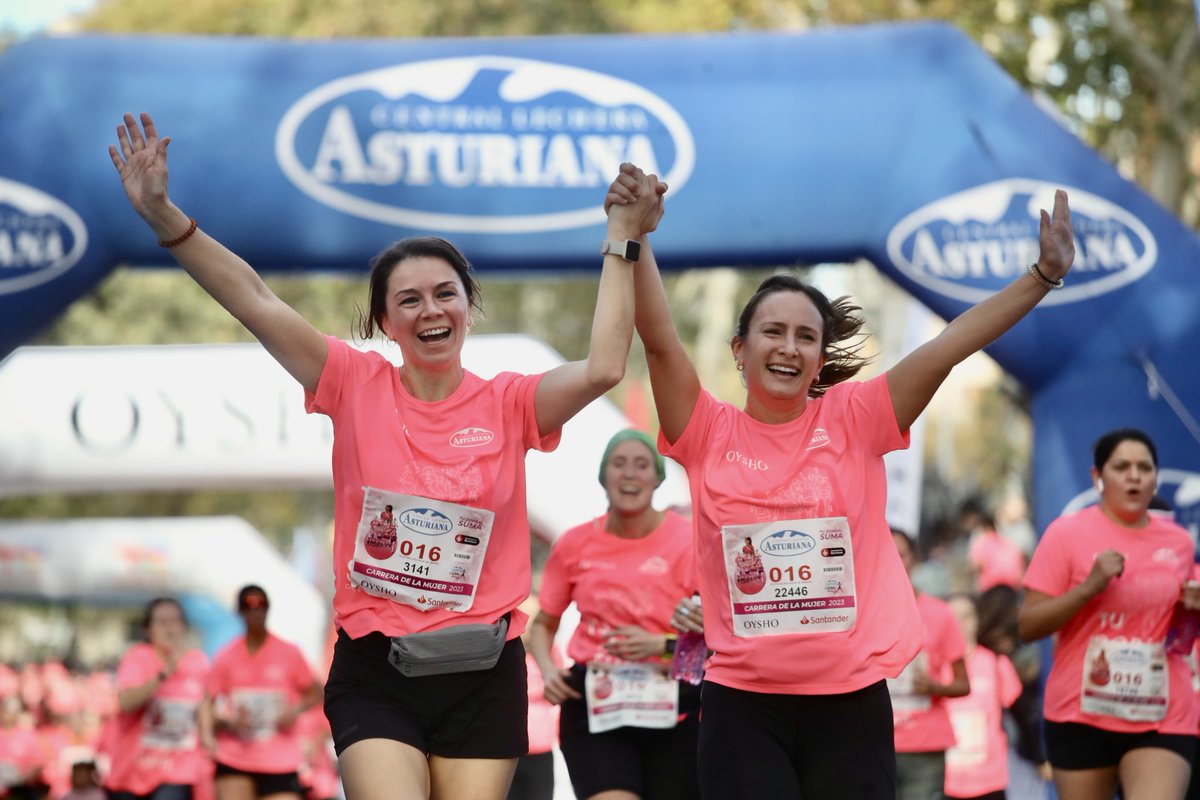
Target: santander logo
970, 244
471, 437
534, 141
41, 237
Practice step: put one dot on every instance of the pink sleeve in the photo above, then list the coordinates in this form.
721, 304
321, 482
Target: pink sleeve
215, 683
521, 398
138, 666
555, 593
1008, 683
1049, 570
689, 448
870, 412
328, 396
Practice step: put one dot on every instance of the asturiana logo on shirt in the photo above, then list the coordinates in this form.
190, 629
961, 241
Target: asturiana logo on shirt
426, 520
820, 438
787, 543
471, 437
746, 461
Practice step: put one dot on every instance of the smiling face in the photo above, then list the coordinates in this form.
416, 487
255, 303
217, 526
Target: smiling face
427, 313
1130, 477
630, 478
782, 351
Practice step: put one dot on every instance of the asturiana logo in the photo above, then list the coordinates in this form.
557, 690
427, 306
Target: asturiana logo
471, 437
535, 139
970, 244
426, 520
40, 237
787, 543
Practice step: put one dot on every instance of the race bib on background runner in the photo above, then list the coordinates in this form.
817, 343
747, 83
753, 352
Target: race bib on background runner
423, 553
904, 699
637, 695
256, 712
790, 576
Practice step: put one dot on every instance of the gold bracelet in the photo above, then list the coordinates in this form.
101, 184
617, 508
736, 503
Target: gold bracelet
1036, 272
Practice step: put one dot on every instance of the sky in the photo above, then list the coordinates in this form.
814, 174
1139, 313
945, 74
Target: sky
26, 17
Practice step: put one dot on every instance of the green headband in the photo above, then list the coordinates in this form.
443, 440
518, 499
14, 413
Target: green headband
660, 466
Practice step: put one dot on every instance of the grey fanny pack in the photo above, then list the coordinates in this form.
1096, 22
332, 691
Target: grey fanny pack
459, 648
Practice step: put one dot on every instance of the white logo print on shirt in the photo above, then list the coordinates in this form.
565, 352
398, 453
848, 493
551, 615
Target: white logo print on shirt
820, 438
471, 437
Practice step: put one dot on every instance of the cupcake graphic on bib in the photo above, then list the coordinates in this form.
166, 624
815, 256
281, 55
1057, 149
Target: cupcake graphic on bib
749, 575
1099, 673
381, 540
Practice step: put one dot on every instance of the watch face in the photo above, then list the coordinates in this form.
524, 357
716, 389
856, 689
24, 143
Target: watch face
633, 250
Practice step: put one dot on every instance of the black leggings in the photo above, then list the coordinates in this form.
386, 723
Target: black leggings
784, 747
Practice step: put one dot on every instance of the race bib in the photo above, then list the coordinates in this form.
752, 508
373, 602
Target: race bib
1125, 678
169, 725
419, 552
637, 695
970, 738
790, 576
904, 699
256, 712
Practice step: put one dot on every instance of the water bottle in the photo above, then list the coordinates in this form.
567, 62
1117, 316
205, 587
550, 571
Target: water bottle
687, 664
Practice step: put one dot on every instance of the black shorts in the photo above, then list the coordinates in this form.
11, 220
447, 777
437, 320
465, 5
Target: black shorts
458, 715
652, 763
266, 783
1074, 745
783, 746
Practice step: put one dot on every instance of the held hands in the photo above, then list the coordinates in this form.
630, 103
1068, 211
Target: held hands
556, 689
141, 161
1106, 566
634, 203
631, 643
1189, 595
1057, 240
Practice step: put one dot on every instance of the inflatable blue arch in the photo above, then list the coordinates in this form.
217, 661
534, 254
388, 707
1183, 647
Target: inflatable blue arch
905, 145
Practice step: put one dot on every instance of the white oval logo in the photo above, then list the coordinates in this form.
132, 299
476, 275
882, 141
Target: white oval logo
968, 245
529, 138
41, 237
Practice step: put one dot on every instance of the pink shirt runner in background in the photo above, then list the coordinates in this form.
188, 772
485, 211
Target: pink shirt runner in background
158, 743
1136, 605
943, 644
826, 463
999, 561
978, 762
257, 687
467, 449
616, 581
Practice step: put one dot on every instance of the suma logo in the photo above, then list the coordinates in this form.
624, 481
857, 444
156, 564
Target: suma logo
534, 142
471, 437
787, 543
970, 244
40, 237
426, 520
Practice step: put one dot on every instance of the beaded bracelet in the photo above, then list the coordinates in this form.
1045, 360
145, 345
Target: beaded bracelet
178, 240
1036, 272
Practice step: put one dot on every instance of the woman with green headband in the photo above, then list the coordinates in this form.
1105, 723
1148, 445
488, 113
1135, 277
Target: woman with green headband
626, 730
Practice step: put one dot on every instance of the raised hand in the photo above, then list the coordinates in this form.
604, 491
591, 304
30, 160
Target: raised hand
1057, 239
141, 161
1107, 565
635, 199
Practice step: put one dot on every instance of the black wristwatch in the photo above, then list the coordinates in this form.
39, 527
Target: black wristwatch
669, 645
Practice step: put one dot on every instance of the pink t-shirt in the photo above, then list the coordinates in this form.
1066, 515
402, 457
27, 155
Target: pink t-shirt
999, 561
1137, 605
158, 743
468, 449
826, 463
616, 581
256, 688
943, 644
977, 764
20, 755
